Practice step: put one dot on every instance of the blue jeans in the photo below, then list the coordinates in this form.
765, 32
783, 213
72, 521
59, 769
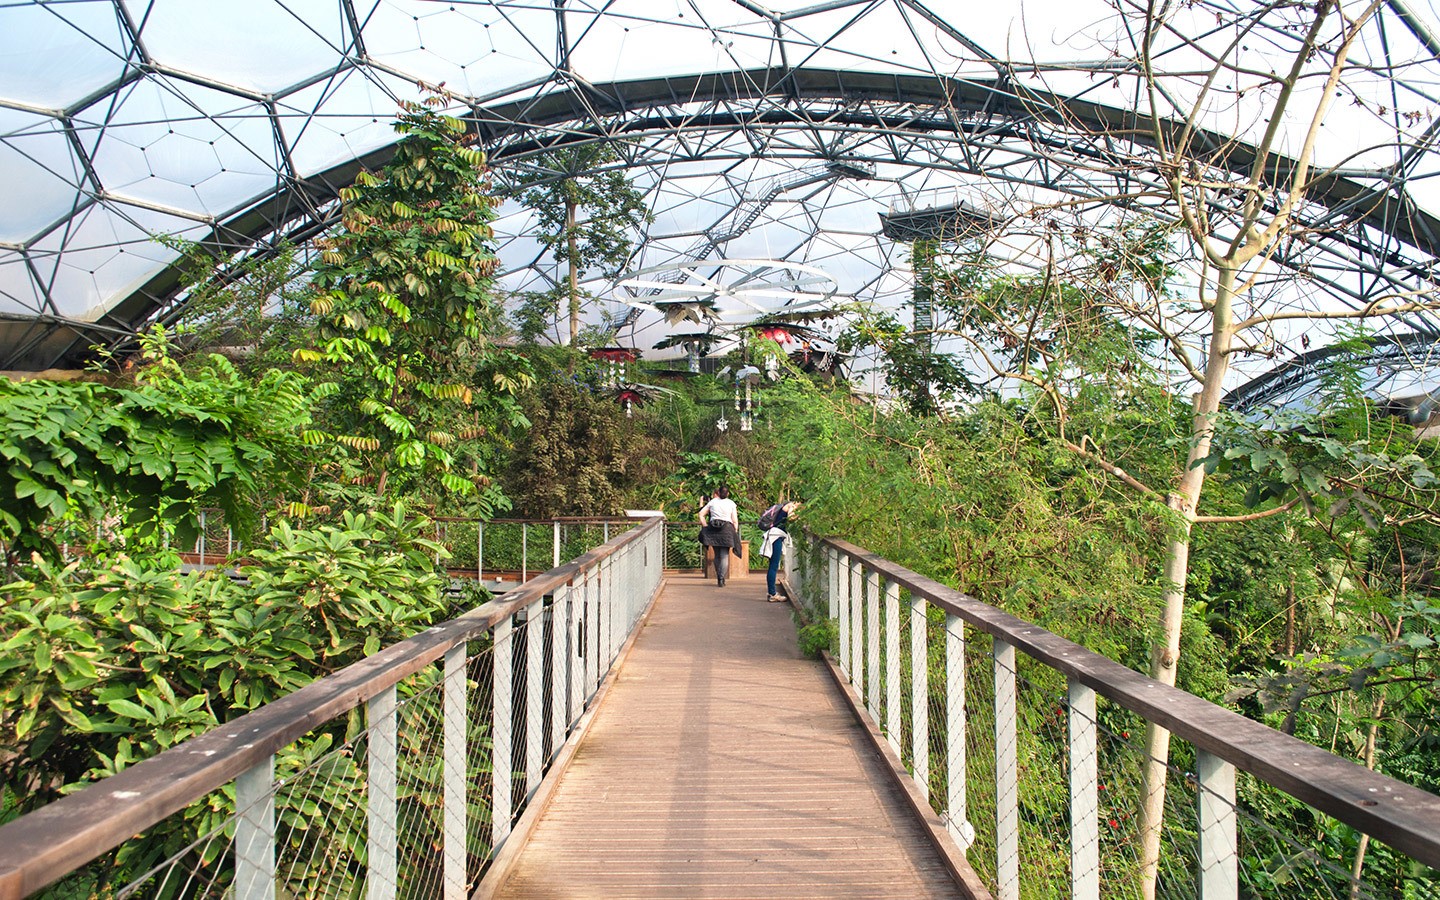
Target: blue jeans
774, 569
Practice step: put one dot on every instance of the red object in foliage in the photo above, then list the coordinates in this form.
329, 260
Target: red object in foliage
778, 335
615, 354
630, 397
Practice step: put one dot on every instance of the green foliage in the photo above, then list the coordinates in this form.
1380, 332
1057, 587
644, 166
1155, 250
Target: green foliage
1344, 460
572, 460
405, 310
106, 661
974, 503
707, 472
818, 637
150, 454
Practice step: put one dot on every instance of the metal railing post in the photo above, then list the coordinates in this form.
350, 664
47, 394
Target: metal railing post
255, 832
832, 595
892, 664
382, 879
524, 553
576, 651
919, 695
604, 620
456, 725
872, 640
1084, 797
1007, 805
480, 551
559, 667
857, 632
592, 632
957, 813
501, 733
555, 564
609, 603
1215, 808
200, 542
534, 695
841, 609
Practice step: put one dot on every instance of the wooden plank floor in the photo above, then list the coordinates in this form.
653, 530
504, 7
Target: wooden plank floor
723, 764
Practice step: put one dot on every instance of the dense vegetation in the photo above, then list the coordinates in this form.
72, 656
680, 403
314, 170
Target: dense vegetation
391, 392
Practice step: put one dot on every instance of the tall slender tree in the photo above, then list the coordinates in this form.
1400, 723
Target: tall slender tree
588, 214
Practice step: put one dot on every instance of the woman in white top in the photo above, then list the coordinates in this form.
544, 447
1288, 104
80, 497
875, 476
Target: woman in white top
720, 529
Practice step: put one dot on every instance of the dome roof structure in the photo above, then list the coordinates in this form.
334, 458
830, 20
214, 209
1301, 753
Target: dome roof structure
826, 134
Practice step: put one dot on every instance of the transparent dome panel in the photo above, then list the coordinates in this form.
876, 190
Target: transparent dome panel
627, 44
176, 144
40, 173
259, 45
342, 118
18, 293
486, 48
109, 256
54, 55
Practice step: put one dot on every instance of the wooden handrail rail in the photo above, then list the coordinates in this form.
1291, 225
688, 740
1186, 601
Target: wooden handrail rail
1401, 815
44, 845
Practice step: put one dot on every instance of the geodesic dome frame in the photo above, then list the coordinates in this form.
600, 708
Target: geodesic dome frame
788, 132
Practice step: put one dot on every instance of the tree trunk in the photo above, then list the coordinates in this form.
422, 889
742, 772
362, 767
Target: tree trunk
572, 254
1184, 500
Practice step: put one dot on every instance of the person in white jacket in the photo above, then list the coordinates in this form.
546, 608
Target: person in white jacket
774, 547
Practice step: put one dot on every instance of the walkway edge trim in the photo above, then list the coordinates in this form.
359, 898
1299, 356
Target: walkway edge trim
950, 853
502, 865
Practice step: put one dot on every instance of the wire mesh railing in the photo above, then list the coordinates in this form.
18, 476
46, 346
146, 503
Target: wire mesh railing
1031, 751
683, 550
399, 776
497, 550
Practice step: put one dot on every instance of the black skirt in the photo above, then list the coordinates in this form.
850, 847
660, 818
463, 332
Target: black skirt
721, 534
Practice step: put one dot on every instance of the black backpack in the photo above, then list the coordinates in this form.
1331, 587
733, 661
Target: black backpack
767, 518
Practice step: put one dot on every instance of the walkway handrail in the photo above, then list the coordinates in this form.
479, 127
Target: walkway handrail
45, 845
849, 580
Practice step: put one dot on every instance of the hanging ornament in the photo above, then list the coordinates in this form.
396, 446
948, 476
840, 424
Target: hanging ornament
614, 364
628, 398
722, 423
747, 382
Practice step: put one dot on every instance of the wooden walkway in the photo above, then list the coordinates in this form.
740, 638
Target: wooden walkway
723, 764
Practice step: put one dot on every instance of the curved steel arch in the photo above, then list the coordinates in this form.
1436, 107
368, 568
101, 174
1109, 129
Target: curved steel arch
1304, 372
1364, 222
975, 112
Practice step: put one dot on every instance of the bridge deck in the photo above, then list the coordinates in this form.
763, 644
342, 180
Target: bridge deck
724, 764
